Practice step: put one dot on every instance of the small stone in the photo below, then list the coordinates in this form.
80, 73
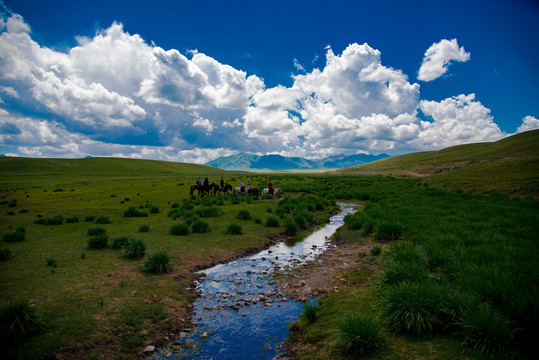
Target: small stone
149, 348
204, 334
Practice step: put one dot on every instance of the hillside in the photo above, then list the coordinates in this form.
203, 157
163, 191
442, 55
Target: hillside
508, 165
247, 161
27, 169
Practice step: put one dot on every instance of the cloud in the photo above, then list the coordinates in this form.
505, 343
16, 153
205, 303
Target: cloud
456, 120
437, 59
116, 95
528, 123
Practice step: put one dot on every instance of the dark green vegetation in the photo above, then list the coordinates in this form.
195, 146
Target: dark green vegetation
452, 273
458, 272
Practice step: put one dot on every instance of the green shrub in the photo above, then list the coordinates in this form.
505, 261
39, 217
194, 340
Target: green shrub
98, 241
179, 229
300, 221
359, 334
310, 312
10, 213
157, 263
376, 250
154, 209
291, 227
243, 215
102, 220
95, 231
235, 200
233, 229
72, 219
144, 228
208, 211
19, 319
18, 235
134, 249
12, 203
257, 220
5, 254
89, 218
23, 211
134, 212
272, 221
417, 308
388, 231
199, 226
120, 242
406, 251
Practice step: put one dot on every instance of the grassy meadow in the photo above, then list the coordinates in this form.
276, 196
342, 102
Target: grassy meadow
95, 299
455, 272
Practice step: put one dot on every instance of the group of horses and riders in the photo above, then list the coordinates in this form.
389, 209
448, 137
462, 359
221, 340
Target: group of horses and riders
212, 189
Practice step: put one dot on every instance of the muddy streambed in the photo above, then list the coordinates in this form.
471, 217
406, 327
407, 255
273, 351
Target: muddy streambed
240, 313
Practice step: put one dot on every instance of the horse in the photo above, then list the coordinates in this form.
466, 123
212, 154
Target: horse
195, 187
206, 189
251, 189
276, 191
225, 189
237, 191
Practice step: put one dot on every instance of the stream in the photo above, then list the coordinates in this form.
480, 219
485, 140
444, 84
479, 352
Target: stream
240, 313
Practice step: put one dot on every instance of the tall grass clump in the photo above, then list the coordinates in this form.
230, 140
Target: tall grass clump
397, 272
5, 254
144, 228
484, 330
72, 219
208, 211
18, 235
310, 312
290, 226
134, 249
233, 229
388, 231
272, 221
199, 226
157, 263
243, 215
179, 229
95, 231
359, 334
98, 241
120, 241
134, 212
416, 308
102, 220
19, 319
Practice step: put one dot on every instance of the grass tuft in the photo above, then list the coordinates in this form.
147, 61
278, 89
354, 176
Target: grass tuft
233, 229
135, 249
157, 263
359, 334
19, 319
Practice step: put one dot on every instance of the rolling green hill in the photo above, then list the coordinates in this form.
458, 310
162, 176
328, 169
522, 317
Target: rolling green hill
28, 169
510, 165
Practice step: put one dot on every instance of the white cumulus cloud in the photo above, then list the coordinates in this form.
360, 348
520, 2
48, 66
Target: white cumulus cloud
438, 57
528, 123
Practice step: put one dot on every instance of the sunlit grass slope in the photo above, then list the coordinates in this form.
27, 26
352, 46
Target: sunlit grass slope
27, 169
510, 165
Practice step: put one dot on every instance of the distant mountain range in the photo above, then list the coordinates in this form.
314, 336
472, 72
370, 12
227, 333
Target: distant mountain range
247, 161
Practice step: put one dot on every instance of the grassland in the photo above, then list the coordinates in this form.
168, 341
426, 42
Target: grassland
95, 301
510, 165
444, 243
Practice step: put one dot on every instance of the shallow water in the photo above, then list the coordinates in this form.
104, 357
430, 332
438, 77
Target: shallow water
240, 313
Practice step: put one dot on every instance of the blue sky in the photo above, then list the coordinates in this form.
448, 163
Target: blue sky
193, 80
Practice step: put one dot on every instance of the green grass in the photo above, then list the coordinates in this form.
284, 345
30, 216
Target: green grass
459, 238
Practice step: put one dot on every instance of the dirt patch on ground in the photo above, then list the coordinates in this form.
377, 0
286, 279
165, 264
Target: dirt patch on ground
328, 273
